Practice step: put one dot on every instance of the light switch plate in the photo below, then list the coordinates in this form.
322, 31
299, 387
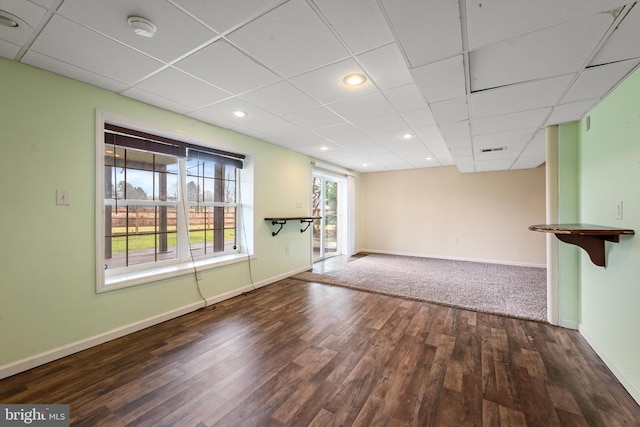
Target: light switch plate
63, 197
619, 209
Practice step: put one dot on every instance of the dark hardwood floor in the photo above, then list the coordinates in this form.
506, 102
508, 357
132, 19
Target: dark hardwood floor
306, 354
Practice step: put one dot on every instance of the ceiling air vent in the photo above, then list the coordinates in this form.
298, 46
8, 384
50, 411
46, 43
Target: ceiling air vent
492, 150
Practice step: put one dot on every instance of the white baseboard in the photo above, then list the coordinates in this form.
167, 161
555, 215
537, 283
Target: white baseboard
569, 324
60, 352
75, 347
489, 261
627, 383
249, 288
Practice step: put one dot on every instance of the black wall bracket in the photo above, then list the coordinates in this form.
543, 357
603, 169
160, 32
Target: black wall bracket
283, 220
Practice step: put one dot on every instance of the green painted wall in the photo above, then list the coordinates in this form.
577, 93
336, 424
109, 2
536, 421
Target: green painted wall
609, 163
47, 252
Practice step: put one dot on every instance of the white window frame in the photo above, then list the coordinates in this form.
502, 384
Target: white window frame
184, 264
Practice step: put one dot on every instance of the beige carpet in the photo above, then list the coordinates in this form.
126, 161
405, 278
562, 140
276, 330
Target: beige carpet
491, 288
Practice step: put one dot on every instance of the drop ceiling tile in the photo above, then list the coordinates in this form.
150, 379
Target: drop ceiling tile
156, 100
363, 108
446, 161
380, 155
554, 51
537, 146
225, 122
386, 67
302, 138
461, 152
290, 40
177, 33
460, 147
356, 143
465, 164
489, 22
28, 17
393, 163
456, 130
314, 118
375, 150
44, 3
326, 84
415, 22
233, 70
595, 82
519, 97
224, 110
280, 98
423, 162
383, 124
318, 151
221, 15
394, 139
358, 22
387, 159
504, 138
441, 80
406, 98
85, 49
58, 67
368, 166
528, 162
400, 146
428, 132
419, 118
274, 127
450, 111
623, 42
507, 122
342, 132
8, 50
570, 112
353, 162
435, 144
182, 88
442, 154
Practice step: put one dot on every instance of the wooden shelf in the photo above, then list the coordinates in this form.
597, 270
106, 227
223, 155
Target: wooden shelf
281, 221
589, 237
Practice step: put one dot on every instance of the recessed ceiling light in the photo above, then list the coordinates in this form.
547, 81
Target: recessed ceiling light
364, 165
354, 79
407, 136
142, 26
324, 148
429, 158
240, 113
8, 20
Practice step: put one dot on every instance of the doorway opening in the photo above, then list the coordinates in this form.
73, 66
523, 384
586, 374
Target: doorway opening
329, 202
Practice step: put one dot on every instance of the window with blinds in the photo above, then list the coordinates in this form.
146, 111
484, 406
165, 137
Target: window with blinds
166, 201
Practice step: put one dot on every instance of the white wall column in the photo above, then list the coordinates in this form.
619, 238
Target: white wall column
551, 136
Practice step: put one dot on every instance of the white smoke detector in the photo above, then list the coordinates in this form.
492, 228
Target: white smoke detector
142, 26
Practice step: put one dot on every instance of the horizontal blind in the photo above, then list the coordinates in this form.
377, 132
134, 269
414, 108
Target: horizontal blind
116, 135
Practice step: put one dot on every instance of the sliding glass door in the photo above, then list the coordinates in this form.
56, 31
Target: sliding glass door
326, 204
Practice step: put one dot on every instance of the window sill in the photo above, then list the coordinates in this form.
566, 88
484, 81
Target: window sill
132, 278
